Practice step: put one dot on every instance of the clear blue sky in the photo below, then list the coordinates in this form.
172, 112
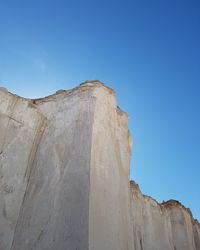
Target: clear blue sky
148, 51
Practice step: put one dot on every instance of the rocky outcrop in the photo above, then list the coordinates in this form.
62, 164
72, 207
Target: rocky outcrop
64, 178
163, 226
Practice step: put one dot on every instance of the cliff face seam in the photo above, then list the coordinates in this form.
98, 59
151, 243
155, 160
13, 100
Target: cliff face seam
38, 135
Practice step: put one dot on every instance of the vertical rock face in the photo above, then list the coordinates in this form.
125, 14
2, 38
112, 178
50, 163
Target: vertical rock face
165, 226
109, 176
64, 179
21, 127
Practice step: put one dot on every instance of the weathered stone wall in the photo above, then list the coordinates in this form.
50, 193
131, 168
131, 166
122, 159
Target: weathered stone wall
165, 226
56, 206
109, 176
64, 179
21, 127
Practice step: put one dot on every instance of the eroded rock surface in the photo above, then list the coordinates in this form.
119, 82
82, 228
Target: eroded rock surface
64, 178
165, 226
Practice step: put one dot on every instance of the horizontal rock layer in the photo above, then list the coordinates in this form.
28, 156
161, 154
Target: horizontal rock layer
64, 178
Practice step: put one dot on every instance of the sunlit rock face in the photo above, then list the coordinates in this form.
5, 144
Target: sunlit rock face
165, 226
64, 179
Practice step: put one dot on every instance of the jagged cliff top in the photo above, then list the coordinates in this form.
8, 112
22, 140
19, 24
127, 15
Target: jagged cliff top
88, 84
83, 86
165, 204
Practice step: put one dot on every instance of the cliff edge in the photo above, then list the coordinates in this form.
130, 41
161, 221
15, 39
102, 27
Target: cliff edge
64, 178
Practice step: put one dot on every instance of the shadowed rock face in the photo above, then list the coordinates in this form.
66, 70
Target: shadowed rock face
64, 178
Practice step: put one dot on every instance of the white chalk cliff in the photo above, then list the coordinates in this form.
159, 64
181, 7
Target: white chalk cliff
64, 179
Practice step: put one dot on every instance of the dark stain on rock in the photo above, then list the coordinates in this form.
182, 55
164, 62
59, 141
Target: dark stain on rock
8, 189
141, 245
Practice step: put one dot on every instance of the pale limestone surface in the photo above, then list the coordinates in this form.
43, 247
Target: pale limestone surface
109, 176
165, 226
64, 179
21, 127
